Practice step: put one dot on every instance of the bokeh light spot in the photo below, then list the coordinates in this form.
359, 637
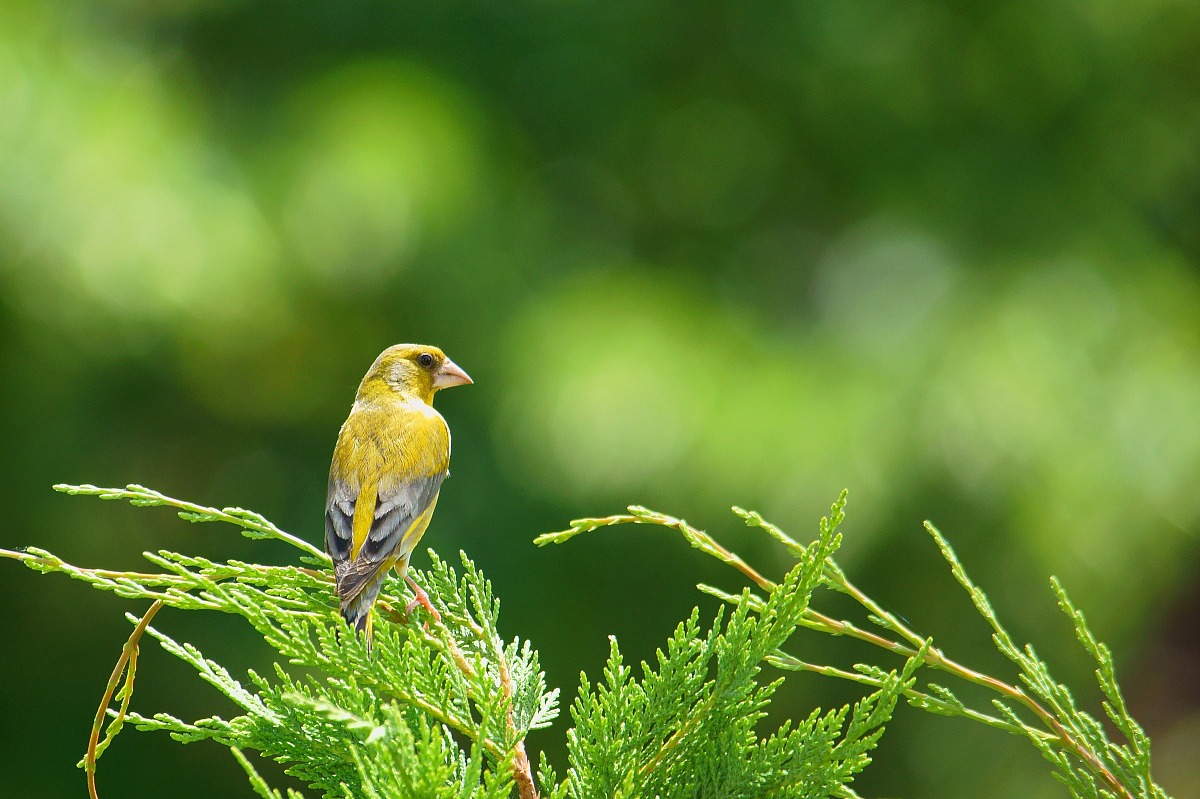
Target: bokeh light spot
385, 156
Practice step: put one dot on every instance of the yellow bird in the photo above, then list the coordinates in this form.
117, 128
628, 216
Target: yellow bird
389, 462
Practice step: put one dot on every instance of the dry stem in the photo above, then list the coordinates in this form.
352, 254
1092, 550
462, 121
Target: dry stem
934, 658
129, 654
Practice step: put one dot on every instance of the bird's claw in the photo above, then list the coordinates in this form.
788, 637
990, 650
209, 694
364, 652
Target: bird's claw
421, 599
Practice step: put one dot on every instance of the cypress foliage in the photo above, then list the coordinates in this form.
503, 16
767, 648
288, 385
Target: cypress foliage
442, 708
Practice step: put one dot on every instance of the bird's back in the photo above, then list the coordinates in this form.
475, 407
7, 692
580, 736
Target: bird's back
388, 466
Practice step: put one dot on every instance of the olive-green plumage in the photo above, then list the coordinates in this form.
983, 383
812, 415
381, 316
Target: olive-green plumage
388, 465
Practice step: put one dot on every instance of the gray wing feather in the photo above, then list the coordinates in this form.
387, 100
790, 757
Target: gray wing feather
395, 513
339, 521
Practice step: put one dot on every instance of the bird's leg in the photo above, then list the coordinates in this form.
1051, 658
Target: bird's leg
422, 600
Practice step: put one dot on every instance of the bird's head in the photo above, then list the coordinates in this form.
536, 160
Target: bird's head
411, 371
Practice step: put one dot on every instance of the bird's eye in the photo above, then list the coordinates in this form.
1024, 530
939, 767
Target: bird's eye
425, 359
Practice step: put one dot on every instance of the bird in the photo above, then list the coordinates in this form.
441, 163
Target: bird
390, 459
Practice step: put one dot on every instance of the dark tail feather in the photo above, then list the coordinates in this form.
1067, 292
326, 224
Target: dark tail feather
356, 606
353, 579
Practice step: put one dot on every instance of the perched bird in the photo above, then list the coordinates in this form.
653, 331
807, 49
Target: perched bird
389, 462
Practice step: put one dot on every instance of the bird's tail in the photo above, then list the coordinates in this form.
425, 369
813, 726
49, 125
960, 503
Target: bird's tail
358, 587
356, 609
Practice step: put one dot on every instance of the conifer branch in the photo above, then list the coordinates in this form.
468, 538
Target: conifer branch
498, 696
522, 771
1064, 728
393, 723
253, 525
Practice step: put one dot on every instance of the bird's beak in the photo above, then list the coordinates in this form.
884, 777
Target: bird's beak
450, 374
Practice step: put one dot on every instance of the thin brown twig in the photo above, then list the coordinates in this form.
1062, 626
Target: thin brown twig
934, 658
522, 770
128, 657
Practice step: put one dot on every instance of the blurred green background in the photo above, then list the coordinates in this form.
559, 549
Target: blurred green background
693, 254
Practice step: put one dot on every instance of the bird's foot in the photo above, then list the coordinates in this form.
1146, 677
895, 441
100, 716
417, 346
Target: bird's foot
421, 599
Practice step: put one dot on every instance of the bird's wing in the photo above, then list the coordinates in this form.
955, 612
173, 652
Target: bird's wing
382, 490
339, 519
400, 514
399, 520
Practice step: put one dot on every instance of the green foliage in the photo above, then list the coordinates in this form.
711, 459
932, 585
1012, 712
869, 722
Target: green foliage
687, 729
1084, 758
442, 708
344, 722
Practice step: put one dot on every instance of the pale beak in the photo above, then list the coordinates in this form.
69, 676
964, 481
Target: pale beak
450, 374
